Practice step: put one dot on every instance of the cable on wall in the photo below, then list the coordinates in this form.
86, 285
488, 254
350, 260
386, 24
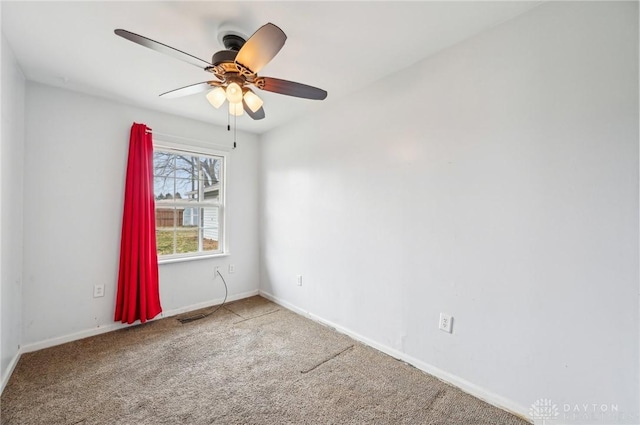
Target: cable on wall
202, 316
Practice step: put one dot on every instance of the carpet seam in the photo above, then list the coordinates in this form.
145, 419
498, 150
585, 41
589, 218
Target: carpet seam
255, 317
327, 359
233, 312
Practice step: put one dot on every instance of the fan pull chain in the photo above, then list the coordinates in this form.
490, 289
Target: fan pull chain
235, 127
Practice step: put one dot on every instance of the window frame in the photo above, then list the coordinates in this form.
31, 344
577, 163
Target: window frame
192, 150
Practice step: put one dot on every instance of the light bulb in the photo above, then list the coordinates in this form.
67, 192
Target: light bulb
216, 97
236, 109
253, 101
234, 93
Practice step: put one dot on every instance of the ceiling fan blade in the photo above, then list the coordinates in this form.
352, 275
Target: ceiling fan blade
189, 90
260, 48
290, 88
258, 115
162, 48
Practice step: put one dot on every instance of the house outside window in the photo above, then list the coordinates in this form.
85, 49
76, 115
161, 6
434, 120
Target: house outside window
189, 199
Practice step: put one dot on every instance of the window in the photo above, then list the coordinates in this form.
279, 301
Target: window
189, 197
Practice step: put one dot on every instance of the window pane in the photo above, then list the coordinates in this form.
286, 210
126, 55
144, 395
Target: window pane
187, 189
186, 166
163, 163
190, 217
162, 186
165, 230
210, 171
210, 229
186, 239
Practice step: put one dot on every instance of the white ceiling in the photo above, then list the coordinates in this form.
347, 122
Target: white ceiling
338, 46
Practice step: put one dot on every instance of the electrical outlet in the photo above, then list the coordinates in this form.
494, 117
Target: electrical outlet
98, 290
446, 323
232, 268
299, 280
216, 270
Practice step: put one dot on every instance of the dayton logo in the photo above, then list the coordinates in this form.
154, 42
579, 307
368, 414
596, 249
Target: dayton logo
543, 410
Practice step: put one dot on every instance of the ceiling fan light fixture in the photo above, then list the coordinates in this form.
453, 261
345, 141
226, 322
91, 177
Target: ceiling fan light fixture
236, 109
235, 69
234, 93
216, 97
253, 101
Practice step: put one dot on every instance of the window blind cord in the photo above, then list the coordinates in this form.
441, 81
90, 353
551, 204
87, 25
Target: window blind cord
202, 316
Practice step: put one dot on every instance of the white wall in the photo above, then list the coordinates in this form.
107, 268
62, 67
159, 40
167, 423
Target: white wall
496, 181
75, 164
11, 184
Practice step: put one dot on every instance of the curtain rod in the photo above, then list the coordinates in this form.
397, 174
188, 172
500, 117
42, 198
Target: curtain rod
150, 131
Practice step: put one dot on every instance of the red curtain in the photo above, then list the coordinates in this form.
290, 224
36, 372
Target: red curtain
138, 295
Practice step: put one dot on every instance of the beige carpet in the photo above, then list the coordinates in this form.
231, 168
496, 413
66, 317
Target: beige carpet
252, 362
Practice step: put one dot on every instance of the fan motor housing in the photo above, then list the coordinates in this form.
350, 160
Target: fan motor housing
233, 41
224, 56
224, 59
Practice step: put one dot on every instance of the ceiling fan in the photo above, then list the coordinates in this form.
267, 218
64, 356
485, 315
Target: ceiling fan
236, 70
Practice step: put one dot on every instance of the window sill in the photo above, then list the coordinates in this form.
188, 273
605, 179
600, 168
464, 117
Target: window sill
192, 258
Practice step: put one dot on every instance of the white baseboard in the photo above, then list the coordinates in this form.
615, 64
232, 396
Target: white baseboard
284, 303
464, 385
7, 373
35, 346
